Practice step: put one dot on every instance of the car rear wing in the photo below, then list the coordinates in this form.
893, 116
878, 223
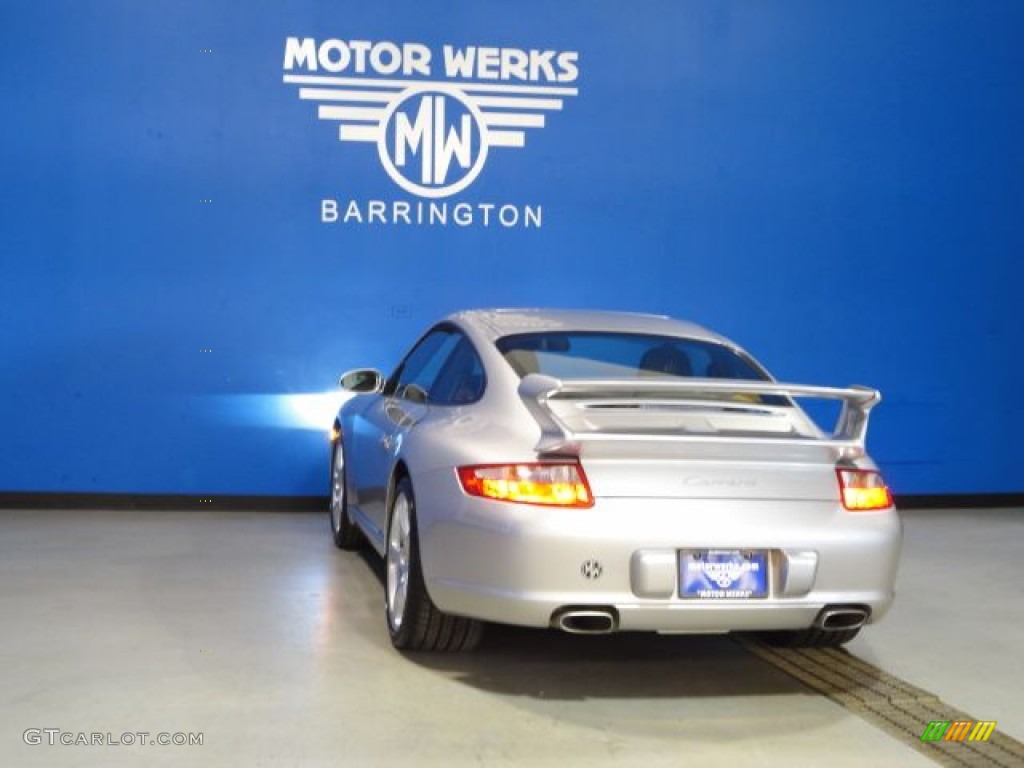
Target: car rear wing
573, 411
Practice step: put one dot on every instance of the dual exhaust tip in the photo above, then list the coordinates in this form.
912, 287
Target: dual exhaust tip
840, 617
591, 620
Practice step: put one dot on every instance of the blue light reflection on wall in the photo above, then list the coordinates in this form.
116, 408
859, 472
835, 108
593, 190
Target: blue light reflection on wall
309, 411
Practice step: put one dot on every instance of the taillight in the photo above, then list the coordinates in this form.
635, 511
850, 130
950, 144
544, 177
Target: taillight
554, 485
863, 490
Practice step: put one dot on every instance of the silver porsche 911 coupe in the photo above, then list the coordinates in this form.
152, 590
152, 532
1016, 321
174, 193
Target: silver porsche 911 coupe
601, 471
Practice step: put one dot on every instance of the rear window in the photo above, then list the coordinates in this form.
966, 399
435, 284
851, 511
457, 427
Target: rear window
590, 355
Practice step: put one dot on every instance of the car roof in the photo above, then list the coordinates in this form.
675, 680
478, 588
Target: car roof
496, 323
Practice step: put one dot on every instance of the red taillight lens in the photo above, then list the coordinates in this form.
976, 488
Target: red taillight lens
553, 485
863, 490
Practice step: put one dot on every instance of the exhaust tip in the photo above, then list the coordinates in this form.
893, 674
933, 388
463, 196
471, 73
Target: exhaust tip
842, 617
586, 621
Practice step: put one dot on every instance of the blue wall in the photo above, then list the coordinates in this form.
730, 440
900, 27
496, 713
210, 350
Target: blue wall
838, 186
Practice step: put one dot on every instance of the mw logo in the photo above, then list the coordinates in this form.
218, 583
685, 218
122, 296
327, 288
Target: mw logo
958, 730
433, 142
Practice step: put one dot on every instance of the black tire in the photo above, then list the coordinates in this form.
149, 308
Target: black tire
812, 637
344, 532
414, 622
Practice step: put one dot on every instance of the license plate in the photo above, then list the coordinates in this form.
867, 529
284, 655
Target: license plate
713, 574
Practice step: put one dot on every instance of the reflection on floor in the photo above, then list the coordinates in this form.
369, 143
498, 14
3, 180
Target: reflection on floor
253, 631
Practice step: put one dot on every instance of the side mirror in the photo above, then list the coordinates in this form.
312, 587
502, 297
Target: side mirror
362, 380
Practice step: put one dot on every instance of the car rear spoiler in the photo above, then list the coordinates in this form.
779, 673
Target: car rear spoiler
547, 399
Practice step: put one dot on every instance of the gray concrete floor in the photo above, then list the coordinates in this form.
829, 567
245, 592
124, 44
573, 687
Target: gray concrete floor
251, 629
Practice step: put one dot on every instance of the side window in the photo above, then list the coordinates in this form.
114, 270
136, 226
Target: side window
461, 380
423, 363
700, 359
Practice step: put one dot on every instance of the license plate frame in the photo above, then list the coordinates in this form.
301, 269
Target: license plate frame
724, 574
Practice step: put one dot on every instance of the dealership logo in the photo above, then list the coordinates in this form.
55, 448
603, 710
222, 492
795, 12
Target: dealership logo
723, 573
433, 118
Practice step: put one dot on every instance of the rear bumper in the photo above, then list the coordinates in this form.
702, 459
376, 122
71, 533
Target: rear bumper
667, 617
520, 564
538, 609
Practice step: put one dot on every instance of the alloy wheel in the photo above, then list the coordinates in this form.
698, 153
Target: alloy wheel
398, 561
337, 489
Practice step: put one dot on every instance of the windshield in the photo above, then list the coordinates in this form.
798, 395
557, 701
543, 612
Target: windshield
594, 355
